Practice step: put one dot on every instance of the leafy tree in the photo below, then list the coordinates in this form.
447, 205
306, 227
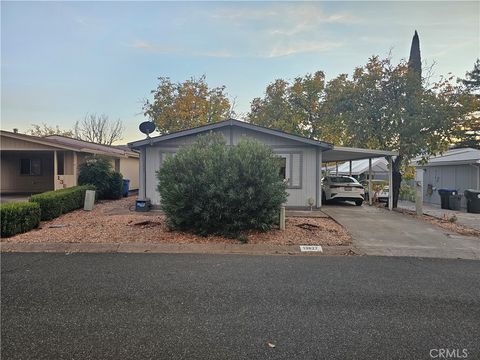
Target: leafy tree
45, 130
180, 106
472, 78
98, 171
99, 129
212, 188
468, 134
302, 107
385, 108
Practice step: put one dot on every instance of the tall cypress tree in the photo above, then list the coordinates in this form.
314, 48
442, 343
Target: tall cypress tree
415, 61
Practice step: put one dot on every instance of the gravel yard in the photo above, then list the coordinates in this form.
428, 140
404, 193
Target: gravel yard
113, 222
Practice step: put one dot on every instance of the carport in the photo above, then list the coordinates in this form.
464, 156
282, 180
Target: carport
342, 154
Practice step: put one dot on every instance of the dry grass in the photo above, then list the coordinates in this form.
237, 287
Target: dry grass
112, 222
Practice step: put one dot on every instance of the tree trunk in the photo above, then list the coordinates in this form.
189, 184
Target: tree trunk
397, 179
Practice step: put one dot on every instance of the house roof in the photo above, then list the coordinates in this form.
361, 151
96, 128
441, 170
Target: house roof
361, 166
226, 123
66, 143
451, 157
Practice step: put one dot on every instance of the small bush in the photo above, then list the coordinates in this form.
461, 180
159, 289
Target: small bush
212, 188
115, 186
55, 203
18, 218
98, 171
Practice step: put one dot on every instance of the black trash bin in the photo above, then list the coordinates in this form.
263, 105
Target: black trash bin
445, 197
454, 202
473, 200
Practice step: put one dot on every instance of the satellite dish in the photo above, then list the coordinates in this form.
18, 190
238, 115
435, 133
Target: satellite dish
147, 127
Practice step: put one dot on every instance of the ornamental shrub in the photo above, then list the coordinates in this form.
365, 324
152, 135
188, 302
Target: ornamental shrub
17, 218
55, 203
115, 186
212, 188
98, 171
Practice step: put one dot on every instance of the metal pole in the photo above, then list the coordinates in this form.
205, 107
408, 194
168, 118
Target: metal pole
350, 171
336, 168
390, 183
370, 195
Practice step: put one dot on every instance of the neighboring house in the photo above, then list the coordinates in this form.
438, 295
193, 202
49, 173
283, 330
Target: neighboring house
32, 164
302, 165
456, 169
360, 169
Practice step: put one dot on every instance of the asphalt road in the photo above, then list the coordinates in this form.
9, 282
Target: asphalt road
167, 306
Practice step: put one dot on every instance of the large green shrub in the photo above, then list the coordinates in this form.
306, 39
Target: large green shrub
55, 203
212, 188
98, 171
18, 218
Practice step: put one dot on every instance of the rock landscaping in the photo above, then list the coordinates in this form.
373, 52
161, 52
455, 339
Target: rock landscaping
114, 222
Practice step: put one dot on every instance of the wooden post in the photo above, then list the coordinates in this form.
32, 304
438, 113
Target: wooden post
370, 195
419, 191
282, 218
390, 183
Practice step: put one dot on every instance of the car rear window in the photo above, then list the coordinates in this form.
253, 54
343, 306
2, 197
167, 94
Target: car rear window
342, 180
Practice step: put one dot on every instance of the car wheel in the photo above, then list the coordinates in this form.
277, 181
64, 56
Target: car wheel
324, 197
358, 202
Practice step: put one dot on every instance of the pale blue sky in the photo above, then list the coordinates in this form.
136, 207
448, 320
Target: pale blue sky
61, 60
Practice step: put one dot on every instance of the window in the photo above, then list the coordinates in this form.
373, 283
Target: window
30, 167
283, 167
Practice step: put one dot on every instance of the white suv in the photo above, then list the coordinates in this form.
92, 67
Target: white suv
343, 188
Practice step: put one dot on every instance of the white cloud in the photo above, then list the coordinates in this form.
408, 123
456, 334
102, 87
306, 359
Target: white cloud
302, 47
150, 47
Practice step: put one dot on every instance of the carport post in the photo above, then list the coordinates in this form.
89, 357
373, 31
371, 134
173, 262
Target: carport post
390, 183
350, 168
55, 169
370, 197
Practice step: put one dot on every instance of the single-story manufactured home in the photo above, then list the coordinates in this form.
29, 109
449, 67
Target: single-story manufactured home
457, 169
32, 164
303, 157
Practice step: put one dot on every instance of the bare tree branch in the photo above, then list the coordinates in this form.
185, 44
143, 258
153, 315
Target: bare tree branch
99, 129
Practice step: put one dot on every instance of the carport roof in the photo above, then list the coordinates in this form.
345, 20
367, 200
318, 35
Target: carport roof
341, 153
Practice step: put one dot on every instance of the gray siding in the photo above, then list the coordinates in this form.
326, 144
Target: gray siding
301, 162
460, 177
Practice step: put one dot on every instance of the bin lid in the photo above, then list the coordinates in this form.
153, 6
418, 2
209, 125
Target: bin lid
447, 191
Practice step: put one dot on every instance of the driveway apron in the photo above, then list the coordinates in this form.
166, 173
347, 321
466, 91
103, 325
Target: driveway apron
377, 231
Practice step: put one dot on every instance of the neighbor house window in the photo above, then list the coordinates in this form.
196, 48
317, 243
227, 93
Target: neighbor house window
60, 163
30, 167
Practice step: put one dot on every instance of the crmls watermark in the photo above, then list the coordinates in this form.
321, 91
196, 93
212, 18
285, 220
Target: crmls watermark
445, 353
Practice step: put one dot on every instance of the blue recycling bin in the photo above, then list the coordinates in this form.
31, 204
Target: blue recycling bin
126, 186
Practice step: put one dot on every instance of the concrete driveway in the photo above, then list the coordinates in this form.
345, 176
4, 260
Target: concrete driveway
377, 231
